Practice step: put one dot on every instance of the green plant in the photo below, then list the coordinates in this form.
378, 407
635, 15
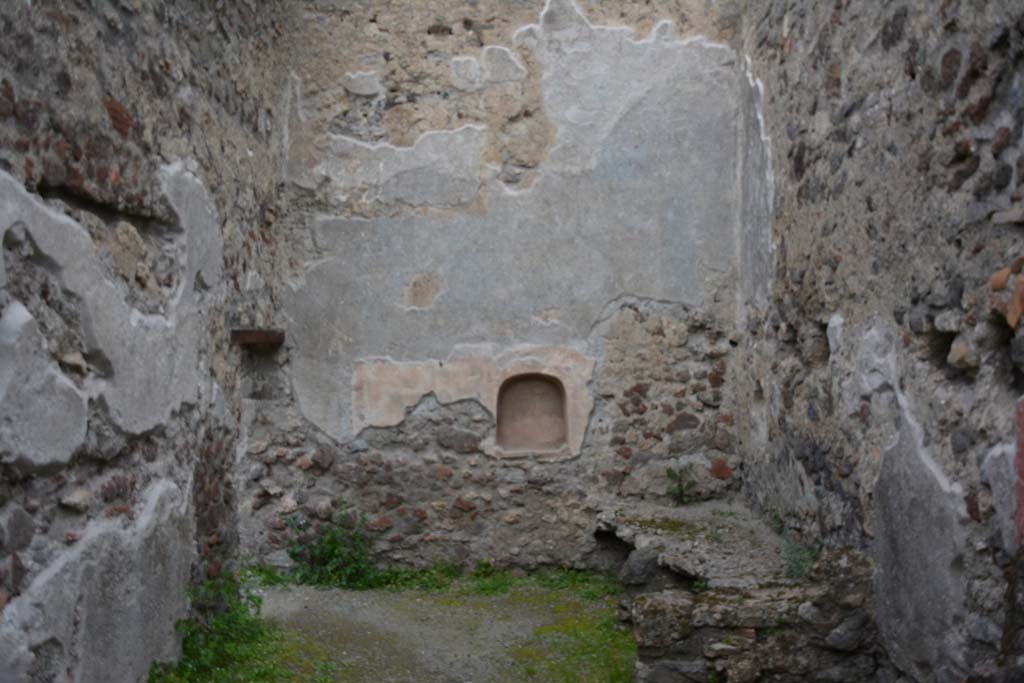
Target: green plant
226, 642
699, 586
437, 577
682, 484
325, 671
799, 557
336, 556
339, 556
486, 579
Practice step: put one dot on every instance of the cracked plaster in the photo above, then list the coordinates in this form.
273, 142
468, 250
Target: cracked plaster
641, 195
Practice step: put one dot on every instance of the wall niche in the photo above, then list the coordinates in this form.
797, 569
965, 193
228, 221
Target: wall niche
531, 414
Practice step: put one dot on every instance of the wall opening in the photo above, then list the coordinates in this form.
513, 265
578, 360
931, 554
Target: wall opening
531, 414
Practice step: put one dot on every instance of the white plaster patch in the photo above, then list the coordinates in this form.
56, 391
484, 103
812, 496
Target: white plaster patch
466, 74
442, 169
501, 65
595, 77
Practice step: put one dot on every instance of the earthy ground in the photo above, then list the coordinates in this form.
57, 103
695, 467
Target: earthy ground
527, 633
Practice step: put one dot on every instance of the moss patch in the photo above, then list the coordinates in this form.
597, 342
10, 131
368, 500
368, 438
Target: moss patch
583, 645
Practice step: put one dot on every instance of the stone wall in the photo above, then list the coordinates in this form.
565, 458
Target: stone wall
135, 214
494, 191
430, 490
886, 373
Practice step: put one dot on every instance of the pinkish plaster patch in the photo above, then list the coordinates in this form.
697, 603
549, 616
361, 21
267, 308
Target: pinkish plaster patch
384, 389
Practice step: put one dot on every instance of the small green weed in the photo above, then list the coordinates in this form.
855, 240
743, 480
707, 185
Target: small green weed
437, 577
325, 672
486, 579
699, 586
682, 484
798, 556
227, 642
263, 575
585, 585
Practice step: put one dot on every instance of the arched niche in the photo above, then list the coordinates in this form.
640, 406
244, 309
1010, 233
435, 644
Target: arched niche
531, 414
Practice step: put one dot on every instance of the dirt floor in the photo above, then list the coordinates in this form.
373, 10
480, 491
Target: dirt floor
527, 633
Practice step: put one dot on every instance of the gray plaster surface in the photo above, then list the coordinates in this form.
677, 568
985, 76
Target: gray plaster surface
153, 359
110, 603
43, 415
999, 473
918, 516
917, 513
920, 538
640, 195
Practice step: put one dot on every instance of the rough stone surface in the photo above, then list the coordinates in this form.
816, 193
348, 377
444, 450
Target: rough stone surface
889, 127
140, 567
759, 633
135, 210
769, 248
1000, 475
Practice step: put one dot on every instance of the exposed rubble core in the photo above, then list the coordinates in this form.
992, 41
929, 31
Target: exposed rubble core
756, 264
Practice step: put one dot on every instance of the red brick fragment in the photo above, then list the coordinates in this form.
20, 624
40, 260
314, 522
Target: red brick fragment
719, 469
1016, 307
999, 279
380, 524
120, 119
